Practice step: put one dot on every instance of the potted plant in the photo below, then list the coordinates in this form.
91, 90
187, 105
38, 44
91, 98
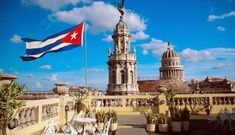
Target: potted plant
96, 92
79, 104
185, 116
162, 120
113, 115
100, 117
151, 119
175, 119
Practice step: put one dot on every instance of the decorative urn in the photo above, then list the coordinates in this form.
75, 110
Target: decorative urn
60, 89
162, 89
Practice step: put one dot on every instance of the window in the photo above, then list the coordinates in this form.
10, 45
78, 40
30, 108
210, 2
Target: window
114, 77
122, 77
132, 77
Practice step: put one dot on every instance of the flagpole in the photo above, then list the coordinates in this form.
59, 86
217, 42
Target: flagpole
85, 44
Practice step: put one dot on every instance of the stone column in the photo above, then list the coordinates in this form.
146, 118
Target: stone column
61, 110
22, 117
33, 115
162, 108
28, 117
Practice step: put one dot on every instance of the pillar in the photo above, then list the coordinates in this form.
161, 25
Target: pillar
162, 108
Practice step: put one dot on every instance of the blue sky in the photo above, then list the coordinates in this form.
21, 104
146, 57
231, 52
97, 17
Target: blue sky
202, 32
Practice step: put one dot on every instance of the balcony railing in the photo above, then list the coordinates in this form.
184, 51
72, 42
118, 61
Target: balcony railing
36, 114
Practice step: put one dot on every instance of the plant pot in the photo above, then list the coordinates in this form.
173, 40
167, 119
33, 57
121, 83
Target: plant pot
150, 127
96, 93
113, 126
185, 125
163, 128
176, 126
60, 89
100, 126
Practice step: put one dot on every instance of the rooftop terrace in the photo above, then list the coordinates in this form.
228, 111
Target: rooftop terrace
36, 114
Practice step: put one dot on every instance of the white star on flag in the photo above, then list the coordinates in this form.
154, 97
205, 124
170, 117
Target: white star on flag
73, 36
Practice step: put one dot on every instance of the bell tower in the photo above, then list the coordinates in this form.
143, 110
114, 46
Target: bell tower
122, 62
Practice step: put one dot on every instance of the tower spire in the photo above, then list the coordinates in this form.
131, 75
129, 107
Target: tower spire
120, 8
122, 63
169, 45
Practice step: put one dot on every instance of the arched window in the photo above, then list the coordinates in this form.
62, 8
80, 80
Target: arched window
132, 77
114, 77
122, 77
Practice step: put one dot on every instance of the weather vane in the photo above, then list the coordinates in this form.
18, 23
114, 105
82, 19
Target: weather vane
120, 7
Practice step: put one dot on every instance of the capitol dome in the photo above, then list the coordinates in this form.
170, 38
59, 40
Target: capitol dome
171, 68
170, 53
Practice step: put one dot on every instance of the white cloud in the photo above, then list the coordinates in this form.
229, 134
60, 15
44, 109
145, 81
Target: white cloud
28, 75
16, 39
53, 5
97, 70
192, 55
209, 54
1, 70
100, 16
221, 28
107, 38
39, 85
46, 67
220, 17
221, 66
145, 52
139, 36
53, 78
157, 47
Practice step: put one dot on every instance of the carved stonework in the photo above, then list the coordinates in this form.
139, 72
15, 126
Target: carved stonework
171, 68
122, 63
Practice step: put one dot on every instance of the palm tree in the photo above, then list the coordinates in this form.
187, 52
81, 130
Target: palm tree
79, 105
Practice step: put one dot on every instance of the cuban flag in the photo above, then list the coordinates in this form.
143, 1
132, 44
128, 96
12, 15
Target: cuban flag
62, 41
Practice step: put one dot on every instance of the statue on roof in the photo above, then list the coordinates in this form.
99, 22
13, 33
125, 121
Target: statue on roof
120, 7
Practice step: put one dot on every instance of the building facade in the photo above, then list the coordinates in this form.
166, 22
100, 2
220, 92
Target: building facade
171, 68
213, 85
122, 63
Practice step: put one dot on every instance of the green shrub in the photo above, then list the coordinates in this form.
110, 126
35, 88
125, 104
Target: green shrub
185, 114
112, 114
175, 113
100, 116
162, 118
150, 117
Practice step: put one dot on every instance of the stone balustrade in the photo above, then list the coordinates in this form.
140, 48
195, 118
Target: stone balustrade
49, 111
213, 99
217, 101
36, 114
123, 101
28, 116
70, 104
223, 100
190, 101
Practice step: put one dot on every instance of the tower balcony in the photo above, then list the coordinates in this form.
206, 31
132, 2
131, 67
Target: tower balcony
128, 56
122, 88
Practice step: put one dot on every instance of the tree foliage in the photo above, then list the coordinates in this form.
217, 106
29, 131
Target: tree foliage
9, 102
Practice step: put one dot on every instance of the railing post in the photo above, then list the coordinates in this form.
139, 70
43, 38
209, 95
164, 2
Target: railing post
61, 111
210, 100
162, 103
